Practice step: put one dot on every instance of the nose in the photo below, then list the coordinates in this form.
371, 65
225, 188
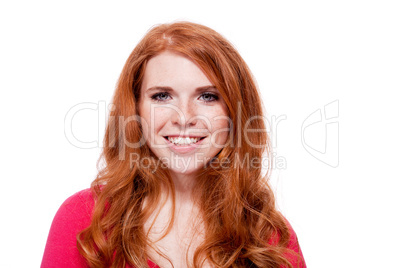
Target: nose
185, 115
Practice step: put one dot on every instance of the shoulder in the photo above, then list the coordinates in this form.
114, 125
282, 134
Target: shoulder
72, 217
76, 211
296, 255
77, 208
80, 201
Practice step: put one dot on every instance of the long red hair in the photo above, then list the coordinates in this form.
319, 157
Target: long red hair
236, 202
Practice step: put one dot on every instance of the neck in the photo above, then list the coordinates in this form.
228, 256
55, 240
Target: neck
183, 186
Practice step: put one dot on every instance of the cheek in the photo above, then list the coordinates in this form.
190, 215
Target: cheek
153, 121
220, 130
145, 114
220, 123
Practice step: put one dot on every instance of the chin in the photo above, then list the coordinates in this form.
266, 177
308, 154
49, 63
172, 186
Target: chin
183, 172
184, 166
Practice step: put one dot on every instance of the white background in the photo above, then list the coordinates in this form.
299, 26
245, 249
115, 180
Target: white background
304, 55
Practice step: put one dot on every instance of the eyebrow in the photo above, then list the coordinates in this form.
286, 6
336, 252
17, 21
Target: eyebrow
169, 89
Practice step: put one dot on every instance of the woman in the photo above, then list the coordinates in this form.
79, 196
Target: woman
180, 186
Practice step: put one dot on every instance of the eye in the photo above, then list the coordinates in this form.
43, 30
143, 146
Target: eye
208, 97
161, 96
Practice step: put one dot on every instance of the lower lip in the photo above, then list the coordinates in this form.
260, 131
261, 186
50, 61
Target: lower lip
184, 149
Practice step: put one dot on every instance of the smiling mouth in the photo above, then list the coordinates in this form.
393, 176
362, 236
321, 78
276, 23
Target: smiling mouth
183, 141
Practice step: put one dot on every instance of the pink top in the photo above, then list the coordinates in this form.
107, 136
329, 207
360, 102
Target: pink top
73, 216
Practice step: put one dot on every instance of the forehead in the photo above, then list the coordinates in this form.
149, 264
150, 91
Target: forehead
174, 70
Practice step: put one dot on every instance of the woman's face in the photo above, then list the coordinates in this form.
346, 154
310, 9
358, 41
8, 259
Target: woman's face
183, 116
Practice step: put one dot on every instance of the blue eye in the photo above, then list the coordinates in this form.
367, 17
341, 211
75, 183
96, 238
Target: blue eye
161, 96
208, 97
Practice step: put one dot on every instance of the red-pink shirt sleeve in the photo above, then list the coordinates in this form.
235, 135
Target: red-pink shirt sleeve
73, 216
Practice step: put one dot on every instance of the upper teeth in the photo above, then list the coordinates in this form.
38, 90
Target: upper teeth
183, 141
